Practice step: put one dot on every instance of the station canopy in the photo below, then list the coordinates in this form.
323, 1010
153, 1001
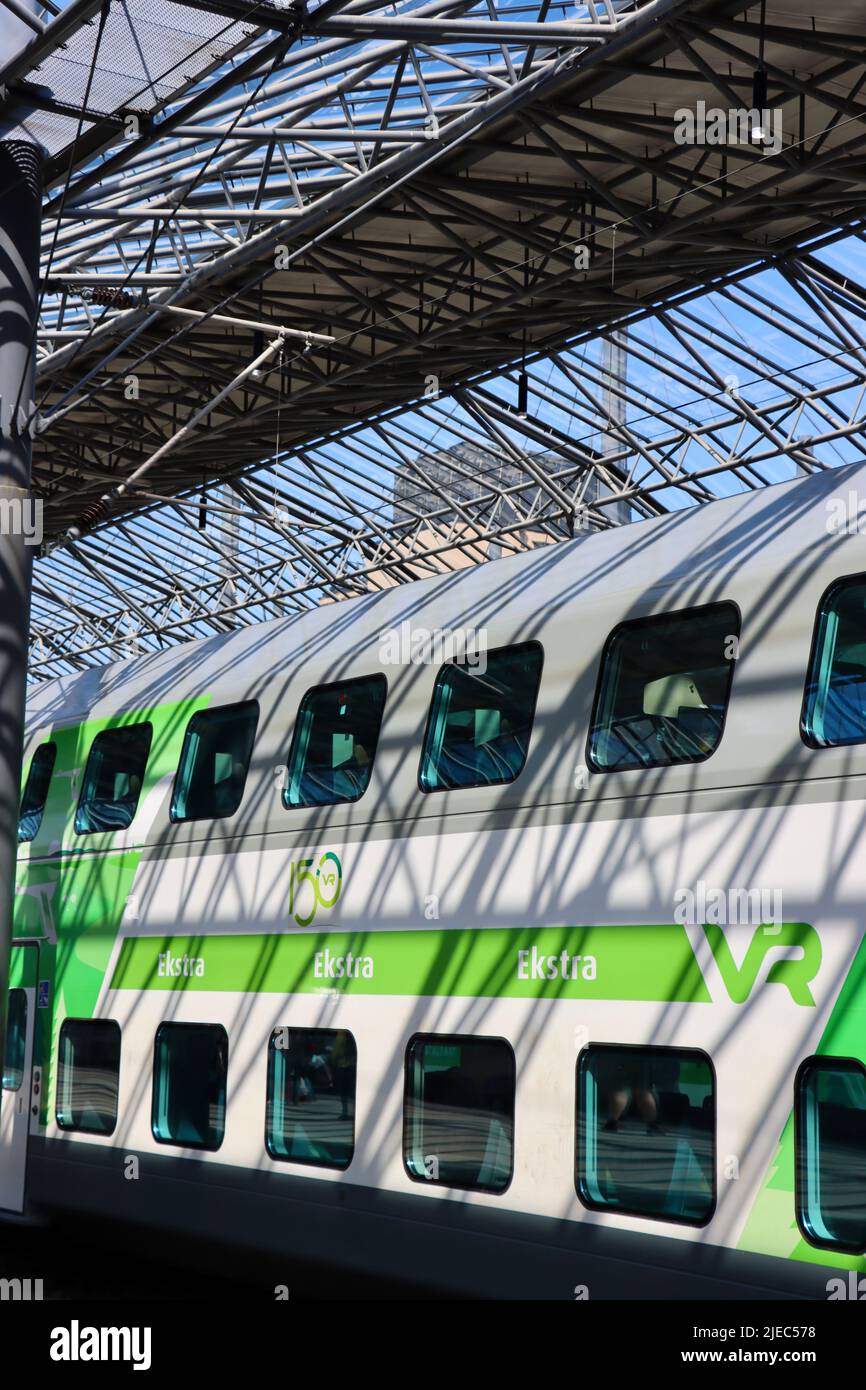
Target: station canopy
337, 295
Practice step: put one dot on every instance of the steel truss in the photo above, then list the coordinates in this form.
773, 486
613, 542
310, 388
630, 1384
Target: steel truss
371, 246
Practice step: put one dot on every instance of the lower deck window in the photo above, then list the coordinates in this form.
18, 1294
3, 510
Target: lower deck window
459, 1112
830, 1117
16, 1040
88, 1075
189, 1085
646, 1132
311, 1096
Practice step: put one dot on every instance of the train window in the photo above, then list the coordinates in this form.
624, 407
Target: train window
334, 743
458, 1116
663, 689
113, 779
214, 761
834, 702
311, 1096
646, 1132
88, 1075
480, 720
830, 1124
36, 791
189, 1085
16, 1040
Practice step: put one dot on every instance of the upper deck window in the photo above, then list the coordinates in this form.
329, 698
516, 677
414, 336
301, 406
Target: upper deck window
113, 779
834, 704
663, 689
335, 740
36, 791
212, 773
480, 720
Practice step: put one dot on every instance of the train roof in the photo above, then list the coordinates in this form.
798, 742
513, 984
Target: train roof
691, 552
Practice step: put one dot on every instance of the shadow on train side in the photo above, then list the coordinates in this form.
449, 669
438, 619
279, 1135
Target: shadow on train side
548, 851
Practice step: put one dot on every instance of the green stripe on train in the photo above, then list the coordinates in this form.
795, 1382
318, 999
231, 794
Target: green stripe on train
772, 1227
22, 968
653, 963
71, 890
649, 963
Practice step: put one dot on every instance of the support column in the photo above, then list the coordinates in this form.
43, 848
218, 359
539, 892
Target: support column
20, 222
615, 369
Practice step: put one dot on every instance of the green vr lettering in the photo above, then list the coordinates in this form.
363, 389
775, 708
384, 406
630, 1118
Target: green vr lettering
796, 974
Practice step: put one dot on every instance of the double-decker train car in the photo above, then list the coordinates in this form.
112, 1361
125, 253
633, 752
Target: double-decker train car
500, 933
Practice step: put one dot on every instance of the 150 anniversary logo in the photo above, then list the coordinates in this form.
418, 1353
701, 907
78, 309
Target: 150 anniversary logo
314, 884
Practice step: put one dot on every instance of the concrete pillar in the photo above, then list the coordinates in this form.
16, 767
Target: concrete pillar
615, 369
20, 221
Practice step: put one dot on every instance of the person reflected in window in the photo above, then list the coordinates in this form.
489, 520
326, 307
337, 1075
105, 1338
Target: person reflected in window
133, 791
343, 1064
625, 1086
228, 791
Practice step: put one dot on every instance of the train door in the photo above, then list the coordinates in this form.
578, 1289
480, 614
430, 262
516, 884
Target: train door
17, 1076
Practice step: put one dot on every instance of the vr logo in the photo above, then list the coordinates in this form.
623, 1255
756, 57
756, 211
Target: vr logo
796, 975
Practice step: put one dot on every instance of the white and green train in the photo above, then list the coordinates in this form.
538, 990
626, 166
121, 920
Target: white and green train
501, 933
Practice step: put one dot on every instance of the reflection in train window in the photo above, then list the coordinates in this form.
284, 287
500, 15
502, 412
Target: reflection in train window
458, 1118
214, 760
646, 1132
834, 704
663, 689
334, 743
113, 779
189, 1085
481, 719
830, 1120
88, 1075
311, 1096
36, 791
16, 1040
